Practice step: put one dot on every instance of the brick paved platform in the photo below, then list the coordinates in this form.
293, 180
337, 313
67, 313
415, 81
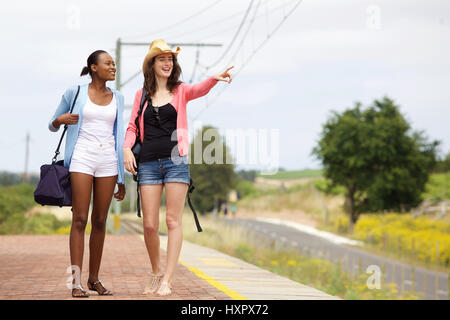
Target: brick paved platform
34, 267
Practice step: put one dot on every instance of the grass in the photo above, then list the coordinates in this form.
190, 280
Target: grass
438, 187
311, 198
320, 274
305, 197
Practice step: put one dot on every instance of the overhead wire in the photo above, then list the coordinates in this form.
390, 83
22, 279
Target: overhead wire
177, 24
269, 35
205, 70
245, 33
213, 23
234, 37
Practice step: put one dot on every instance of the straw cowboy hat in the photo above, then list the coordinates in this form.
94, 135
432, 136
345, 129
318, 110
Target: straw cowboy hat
157, 47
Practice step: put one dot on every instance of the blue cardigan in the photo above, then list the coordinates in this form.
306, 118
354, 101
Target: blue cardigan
74, 130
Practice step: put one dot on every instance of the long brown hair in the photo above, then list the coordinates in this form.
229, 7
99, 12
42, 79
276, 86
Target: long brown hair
150, 78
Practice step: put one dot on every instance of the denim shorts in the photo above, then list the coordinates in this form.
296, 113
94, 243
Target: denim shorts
171, 169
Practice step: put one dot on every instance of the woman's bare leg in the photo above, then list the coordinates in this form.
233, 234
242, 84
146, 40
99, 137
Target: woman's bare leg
150, 200
81, 184
103, 193
175, 200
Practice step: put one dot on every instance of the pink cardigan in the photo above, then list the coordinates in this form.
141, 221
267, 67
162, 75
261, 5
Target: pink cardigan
181, 96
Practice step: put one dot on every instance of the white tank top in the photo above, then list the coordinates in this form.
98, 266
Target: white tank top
97, 127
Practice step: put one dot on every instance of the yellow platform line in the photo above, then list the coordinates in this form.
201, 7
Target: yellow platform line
220, 286
229, 292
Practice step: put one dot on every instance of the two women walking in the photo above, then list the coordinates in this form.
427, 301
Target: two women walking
97, 151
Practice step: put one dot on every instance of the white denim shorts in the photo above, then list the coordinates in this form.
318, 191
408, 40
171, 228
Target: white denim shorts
96, 159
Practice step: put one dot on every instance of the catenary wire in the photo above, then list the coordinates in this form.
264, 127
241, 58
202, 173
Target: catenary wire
177, 24
209, 103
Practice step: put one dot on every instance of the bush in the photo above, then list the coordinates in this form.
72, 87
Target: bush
247, 189
41, 224
399, 232
15, 201
342, 224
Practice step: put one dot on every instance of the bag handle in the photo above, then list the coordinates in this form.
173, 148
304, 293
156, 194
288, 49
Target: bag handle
65, 128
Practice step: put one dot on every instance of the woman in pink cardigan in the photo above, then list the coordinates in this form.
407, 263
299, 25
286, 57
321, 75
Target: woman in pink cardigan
163, 131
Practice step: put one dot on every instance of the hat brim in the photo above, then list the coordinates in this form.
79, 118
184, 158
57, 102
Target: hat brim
151, 54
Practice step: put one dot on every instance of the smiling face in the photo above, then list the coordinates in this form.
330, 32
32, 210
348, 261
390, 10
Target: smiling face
163, 65
105, 68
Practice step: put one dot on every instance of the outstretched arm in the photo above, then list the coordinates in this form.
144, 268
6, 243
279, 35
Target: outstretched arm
194, 91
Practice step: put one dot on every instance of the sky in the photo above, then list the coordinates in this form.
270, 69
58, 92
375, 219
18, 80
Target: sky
294, 62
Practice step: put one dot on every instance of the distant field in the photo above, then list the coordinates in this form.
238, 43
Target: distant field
295, 174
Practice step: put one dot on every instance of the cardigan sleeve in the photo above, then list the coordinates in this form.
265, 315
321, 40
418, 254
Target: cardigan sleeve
194, 91
63, 107
131, 134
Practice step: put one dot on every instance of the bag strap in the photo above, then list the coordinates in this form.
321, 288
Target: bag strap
141, 107
138, 201
65, 128
197, 223
138, 138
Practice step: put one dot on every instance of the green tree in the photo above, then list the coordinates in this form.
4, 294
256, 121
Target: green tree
212, 174
374, 155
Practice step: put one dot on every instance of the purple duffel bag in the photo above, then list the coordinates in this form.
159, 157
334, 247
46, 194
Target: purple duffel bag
54, 187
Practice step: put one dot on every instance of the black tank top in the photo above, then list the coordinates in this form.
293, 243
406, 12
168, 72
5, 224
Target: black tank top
158, 133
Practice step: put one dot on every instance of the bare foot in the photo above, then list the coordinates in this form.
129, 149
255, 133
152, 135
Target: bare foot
152, 284
165, 289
